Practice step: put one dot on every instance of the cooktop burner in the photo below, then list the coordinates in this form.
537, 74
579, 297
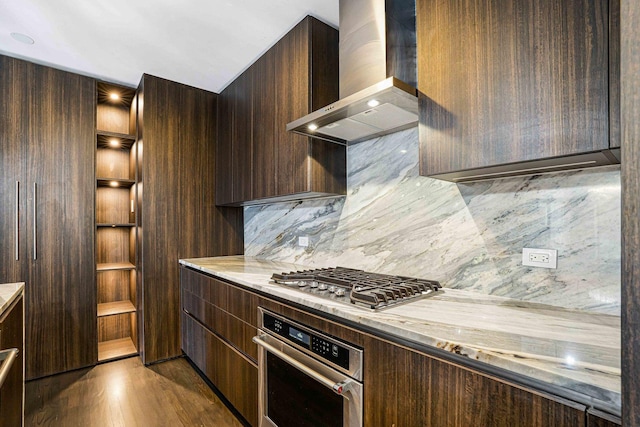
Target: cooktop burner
372, 290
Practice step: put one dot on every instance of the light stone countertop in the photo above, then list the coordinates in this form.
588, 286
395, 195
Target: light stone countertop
8, 293
575, 350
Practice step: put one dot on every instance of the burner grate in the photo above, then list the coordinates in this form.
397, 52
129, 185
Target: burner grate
373, 290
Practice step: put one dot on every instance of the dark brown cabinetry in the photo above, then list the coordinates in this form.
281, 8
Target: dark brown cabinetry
517, 87
258, 161
116, 229
12, 392
176, 209
47, 134
402, 386
597, 418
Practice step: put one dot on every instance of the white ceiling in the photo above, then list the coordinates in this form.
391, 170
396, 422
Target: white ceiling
202, 43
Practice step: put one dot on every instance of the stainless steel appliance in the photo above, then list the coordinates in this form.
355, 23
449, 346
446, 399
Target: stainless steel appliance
371, 290
306, 378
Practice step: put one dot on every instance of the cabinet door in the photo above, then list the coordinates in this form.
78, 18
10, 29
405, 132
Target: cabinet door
180, 218
60, 291
508, 82
264, 127
291, 55
13, 143
597, 418
11, 336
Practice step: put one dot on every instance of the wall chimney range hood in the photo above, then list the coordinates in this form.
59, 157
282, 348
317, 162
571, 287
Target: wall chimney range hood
377, 74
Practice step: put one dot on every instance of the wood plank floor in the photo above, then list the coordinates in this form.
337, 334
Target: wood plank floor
126, 393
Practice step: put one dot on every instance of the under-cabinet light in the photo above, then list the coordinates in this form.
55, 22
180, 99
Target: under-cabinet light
114, 143
114, 96
312, 127
114, 183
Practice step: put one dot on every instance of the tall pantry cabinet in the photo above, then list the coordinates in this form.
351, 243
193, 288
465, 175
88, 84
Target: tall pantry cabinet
47, 124
176, 208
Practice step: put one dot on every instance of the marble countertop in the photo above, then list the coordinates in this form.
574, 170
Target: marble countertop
8, 293
575, 350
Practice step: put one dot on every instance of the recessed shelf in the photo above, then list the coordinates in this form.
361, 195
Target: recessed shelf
116, 349
116, 307
115, 225
125, 141
107, 266
121, 183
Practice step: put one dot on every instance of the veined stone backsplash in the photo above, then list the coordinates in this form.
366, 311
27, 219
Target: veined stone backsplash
467, 236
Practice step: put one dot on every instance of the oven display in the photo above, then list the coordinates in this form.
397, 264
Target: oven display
299, 336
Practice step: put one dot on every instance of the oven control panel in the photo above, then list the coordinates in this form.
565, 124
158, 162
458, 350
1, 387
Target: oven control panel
325, 347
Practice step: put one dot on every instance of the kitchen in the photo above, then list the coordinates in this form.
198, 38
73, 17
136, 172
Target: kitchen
522, 337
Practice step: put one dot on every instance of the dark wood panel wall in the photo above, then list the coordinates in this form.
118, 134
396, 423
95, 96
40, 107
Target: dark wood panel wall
47, 140
630, 103
179, 216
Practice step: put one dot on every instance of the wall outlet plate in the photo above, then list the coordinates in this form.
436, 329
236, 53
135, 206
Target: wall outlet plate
545, 258
303, 241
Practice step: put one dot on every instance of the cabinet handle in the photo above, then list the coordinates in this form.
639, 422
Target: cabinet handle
17, 236
35, 221
7, 357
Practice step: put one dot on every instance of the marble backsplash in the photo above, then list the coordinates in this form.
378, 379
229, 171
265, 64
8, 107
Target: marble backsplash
467, 236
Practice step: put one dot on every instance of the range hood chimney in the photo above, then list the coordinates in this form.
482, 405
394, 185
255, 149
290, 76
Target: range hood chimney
377, 74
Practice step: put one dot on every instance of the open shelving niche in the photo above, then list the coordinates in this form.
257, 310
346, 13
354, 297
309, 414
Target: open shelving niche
116, 226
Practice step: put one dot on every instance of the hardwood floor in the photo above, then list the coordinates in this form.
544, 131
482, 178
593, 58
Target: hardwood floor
126, 393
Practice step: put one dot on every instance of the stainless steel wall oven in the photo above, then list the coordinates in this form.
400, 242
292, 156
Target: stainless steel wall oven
306, 377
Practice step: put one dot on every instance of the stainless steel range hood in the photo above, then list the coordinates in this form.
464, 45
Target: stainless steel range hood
377, 74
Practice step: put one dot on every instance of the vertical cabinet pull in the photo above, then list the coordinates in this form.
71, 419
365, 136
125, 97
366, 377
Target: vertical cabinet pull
35, 221
17, 236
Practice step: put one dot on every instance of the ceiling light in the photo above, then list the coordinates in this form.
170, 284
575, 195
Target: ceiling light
373, 103
22, 38
312, 127
114, 143
113, 183
114, 96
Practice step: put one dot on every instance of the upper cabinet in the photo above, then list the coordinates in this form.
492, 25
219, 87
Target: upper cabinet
513, 88
257, 160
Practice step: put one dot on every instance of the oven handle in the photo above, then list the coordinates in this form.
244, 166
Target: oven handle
338, 388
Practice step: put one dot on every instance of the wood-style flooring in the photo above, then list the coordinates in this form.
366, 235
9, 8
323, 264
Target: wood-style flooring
126, 393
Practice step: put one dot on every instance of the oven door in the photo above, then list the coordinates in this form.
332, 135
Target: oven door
297, 390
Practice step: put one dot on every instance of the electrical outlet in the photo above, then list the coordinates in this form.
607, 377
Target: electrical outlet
545, 258
303, 241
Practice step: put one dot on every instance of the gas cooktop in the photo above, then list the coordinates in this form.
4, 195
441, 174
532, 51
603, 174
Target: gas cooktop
371, 290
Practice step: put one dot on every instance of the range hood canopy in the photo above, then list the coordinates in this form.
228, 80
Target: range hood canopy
377, 74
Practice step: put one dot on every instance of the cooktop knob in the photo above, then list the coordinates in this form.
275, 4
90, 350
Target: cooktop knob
340, 292
313, 284
322, 287
332, 289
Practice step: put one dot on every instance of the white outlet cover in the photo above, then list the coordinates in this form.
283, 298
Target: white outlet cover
303, 241
530, 254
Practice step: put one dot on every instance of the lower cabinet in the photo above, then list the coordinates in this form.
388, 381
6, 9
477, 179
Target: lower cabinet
231, 372
12, 336
402, 386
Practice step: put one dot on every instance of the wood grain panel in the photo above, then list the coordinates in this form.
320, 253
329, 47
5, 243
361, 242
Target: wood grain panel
324, 65
114, 327
11, 336
264, 127
506, 82
111, 163
630, 177
178, 207
292, 102
112, 205
597, 418
60, 298
113, 245
14, 106
114, 286
224, 147
242, 159
225, 368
